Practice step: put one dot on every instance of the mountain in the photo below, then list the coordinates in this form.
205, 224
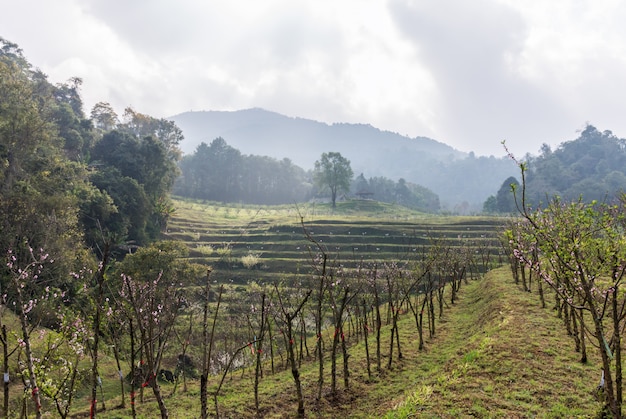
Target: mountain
373, 152
261, 132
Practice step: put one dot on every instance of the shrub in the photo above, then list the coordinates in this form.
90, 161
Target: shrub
251, 260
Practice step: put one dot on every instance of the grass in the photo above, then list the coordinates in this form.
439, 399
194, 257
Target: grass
496, 354
507, 357
356, 231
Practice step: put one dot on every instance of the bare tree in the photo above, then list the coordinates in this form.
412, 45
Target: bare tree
288, 313
207, 344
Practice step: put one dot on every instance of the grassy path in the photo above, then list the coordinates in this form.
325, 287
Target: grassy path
501, 355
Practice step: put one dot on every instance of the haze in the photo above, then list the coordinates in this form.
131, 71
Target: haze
468, 74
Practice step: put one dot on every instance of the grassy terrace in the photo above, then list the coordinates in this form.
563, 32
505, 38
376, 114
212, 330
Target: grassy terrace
273, 241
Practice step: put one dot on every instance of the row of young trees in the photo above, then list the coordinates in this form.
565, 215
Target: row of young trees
145, 310
77, 194
573, 252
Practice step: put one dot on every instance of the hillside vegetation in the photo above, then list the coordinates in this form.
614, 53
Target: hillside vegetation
462, 181
591, 167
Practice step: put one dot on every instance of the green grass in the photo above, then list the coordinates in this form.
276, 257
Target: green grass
354, 232
507, 357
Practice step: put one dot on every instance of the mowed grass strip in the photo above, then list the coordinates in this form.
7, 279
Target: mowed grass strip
500, 354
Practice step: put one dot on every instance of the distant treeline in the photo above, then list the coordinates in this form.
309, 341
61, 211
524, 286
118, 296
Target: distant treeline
219, 172
402, 192
592, 167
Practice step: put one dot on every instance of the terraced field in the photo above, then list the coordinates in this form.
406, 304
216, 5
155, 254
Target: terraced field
261, 243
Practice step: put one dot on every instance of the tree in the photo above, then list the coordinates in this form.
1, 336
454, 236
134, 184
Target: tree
104, 116
137, 174
39, 185
490, 205
361, 185
219, 172
287, 313
504, 198
141, 125
577, 249
152, 296
333, 172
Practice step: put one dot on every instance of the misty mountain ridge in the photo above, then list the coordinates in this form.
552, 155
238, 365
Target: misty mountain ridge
460, 179
266, 133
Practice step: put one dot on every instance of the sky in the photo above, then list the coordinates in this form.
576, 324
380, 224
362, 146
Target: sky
468, 74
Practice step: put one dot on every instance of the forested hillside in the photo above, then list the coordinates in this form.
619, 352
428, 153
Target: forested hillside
77, 194
591, 167
220, 172
101, 296
462, 181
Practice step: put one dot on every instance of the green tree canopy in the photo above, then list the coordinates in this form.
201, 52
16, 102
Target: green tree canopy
591, 166
219, 172
505, 200
333, 172
40, 184
138, 174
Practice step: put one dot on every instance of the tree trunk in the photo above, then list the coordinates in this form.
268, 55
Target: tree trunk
617, 352
271, 343
318, 328
207, 348
5, 381
365, 335
29, 354
421, 323
259, 351
583, 344
133, 363
390, 358
156, 389
96, 330
333, 363
378, 325
116, 353
346, 356
294, 370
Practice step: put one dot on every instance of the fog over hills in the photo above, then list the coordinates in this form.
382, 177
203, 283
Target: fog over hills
460, 179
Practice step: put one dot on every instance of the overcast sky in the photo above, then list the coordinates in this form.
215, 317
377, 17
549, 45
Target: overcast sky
466, 73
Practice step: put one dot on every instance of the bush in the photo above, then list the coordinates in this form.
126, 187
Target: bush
251, 260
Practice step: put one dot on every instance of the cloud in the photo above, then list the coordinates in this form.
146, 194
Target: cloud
466, 73
471, 48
